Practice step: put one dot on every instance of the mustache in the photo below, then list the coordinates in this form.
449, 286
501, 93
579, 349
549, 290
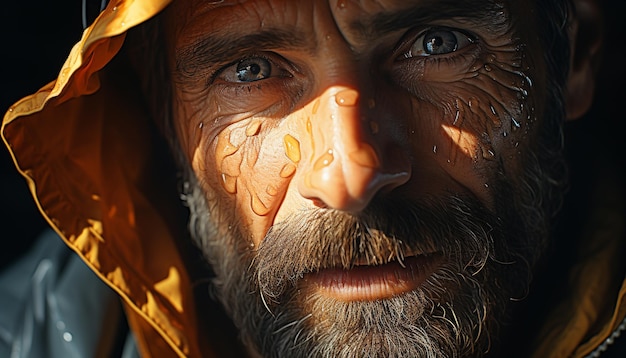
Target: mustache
460, 228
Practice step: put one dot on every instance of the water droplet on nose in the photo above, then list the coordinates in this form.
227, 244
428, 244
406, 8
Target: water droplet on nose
316, 106
324, 160
253, 128
229, 183
287, 171
347, 98
292, 148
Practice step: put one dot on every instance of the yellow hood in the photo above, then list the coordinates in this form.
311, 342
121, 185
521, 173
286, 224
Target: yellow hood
91, 160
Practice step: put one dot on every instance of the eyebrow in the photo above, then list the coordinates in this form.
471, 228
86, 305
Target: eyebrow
485, 14
207, 51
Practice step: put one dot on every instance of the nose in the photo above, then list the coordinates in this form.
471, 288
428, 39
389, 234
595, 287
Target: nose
351, 161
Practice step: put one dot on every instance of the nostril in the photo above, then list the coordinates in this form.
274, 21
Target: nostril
319, 203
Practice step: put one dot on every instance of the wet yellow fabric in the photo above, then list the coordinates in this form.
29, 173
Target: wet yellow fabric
86, 150
88, 153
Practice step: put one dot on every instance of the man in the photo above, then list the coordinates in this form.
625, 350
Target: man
364, 178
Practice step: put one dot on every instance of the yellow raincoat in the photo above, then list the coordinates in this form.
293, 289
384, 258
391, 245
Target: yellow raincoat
92, 161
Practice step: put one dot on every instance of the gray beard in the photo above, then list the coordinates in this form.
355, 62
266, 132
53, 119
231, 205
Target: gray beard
456, 312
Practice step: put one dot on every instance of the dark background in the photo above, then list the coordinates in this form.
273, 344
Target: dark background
37, 35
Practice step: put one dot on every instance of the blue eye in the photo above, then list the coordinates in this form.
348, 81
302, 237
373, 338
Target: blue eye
253, 69
438, 42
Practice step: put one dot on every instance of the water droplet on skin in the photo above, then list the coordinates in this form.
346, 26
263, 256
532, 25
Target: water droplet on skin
253, 128
292, 148
201, 125
328, 37
487, 68
347, 98
492, 58
516, 124
341, 4
435, 149
67, 336
365, 156
309, 126
224, 146
471, 103
456, 117
316, 106
114, 8
486, 185
258, 207
493, 110
229, 183
271, 190
287, 171
504, 134
325, 160
374, 127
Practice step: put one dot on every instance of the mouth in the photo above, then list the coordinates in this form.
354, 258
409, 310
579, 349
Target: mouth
369, 283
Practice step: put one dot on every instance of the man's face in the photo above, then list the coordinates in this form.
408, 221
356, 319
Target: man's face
358, 166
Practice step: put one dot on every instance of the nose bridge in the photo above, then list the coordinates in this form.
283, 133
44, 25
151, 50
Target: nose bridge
347, 166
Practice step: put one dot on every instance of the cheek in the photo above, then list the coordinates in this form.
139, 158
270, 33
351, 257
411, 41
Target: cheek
475, 127
248, 166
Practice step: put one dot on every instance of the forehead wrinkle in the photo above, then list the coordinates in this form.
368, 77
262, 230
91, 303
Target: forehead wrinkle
488, 14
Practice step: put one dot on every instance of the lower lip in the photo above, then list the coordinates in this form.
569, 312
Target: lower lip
369, 283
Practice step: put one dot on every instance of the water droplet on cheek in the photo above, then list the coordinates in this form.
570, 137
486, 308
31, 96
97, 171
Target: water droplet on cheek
292, 148
258, 207
271, 190
229, 183
253, 128
374, 127
287, 171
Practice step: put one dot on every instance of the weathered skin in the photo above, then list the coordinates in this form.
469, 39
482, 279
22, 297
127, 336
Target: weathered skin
347, 113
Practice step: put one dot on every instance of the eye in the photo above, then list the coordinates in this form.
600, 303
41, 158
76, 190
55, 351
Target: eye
438, 42
248, 70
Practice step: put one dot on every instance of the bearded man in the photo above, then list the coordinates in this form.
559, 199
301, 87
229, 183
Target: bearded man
363, 178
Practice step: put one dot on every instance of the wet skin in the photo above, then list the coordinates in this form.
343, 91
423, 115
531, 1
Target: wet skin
283, 106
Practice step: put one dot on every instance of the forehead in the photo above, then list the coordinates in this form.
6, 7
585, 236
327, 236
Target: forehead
351, 16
